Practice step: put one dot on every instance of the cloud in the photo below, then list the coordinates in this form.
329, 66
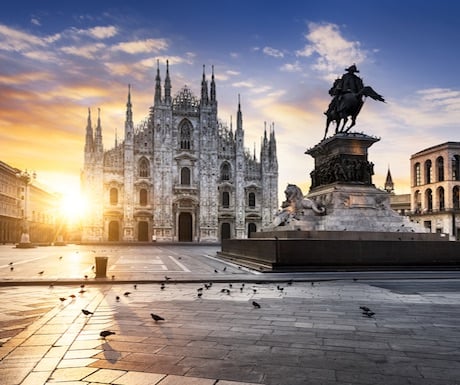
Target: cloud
86, 51
331, 50
142, 46
18, 41
103, 32
272, 52
35, 21
291, 67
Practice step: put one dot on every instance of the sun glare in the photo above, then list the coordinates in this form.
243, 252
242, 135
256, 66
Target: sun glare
72, 207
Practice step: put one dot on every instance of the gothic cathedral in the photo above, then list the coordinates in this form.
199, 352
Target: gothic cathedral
180, 176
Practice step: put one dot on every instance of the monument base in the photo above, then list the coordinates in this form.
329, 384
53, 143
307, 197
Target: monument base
334, 250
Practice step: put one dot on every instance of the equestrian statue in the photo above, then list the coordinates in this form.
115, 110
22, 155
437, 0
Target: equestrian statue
347, 100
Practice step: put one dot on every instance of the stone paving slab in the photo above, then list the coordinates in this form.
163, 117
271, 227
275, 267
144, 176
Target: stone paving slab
302, 334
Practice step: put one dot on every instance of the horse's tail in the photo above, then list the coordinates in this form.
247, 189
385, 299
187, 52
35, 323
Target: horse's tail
369, 91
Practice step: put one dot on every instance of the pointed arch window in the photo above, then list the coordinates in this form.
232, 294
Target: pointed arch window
185, 133
225, 172
144, 168
185, 176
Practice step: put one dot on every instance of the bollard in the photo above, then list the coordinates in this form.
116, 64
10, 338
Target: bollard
101, 267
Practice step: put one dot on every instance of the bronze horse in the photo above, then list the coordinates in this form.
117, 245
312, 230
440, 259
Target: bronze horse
349, 105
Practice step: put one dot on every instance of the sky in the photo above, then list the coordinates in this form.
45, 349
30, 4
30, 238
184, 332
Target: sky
57, 59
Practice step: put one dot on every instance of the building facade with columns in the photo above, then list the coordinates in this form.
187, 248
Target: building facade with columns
435, 188
180, 175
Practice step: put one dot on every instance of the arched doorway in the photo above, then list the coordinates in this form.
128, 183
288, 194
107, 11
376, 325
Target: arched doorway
143, 231
225, 231
252, 228
185, 227
114, 231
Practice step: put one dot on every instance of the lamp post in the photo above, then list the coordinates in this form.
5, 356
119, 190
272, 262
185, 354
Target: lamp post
25, 178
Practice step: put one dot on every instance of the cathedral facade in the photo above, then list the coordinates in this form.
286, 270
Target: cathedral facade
181, 175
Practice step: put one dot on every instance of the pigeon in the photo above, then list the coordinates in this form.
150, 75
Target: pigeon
106, 333
162, 286
167, 278
40, 272
86, 277
62, 299
82, 291
11, 268
72, 296
51, 286
86, 312
215, 271
365, 308
156, 317
225, 268
289, 283
230, 285
82, 286
369, 314
113, 277
117, 298
255, 304
60, 257
199, 294
254, 291
10, 263
199, 289
126, 293
135, 287
280, 288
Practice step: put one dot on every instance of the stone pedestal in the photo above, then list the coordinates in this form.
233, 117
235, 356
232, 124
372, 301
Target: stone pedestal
352, 227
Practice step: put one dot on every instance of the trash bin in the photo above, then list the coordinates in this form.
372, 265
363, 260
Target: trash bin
101, 267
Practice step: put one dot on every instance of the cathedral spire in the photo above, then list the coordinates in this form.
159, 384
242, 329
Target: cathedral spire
157, 99
167, 85
389, 185
129, 111
204, 89
239, 116
89, 142
213, 87
98, 134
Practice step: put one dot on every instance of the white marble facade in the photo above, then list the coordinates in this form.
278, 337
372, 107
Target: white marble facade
180, 175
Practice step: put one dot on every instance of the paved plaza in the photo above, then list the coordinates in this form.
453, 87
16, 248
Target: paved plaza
306, 331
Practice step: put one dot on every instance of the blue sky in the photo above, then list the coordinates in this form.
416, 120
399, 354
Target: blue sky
59, 58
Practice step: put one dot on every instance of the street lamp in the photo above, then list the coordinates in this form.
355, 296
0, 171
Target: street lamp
25, 178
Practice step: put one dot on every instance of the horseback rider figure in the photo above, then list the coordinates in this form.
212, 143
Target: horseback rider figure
347, 100
348, 83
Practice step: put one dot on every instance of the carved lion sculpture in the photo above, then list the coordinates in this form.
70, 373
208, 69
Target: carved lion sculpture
294, 205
